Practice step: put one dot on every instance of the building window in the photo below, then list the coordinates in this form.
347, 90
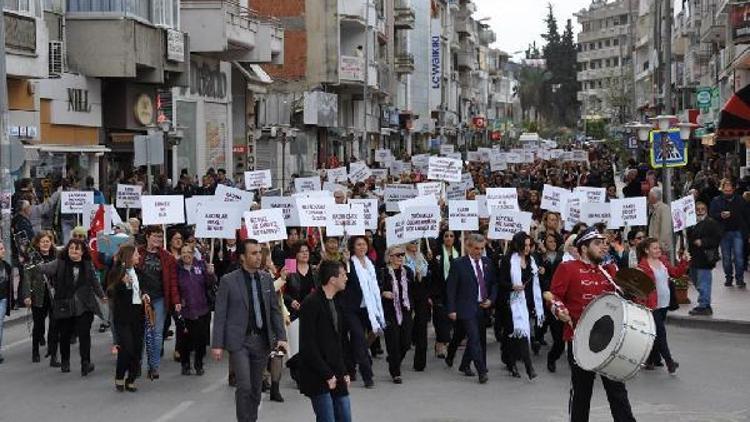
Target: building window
17, 5
615, 42
163, 13
606, 43
615, 62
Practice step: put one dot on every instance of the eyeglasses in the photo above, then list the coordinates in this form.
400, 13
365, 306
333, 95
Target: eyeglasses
398, 255
448, 235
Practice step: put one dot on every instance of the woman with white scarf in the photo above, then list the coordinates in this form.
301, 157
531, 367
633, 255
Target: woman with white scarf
362, 308
396, 282
524, 307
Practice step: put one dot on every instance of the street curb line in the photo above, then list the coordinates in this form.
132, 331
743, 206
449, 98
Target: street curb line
708, 323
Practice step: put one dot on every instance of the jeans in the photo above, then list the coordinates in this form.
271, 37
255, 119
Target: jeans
328, 408
731, 248
154, 346
702, 280
3, 307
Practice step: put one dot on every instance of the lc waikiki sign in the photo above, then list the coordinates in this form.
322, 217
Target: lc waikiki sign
436, 64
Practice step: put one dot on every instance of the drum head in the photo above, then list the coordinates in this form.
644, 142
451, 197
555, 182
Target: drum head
598, 331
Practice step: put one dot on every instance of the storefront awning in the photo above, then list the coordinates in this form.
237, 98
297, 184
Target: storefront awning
66, 149
257, 78
734, 120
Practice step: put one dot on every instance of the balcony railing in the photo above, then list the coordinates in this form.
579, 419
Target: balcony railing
404, 63
404, 17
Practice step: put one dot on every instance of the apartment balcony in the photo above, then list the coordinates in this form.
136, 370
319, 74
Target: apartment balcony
602, 53
604, 33
355, 11
464, 25
352, 71
467, 61
403, 63
487, 36
713, 26
609, 72
25, 44
404, 16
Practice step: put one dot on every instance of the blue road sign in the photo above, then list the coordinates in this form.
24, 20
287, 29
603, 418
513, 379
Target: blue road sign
674, 153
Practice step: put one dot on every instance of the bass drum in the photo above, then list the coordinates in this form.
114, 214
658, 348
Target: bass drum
613, 337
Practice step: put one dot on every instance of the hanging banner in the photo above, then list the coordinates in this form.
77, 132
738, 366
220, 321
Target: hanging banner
286, 204
554, 198
72, 202
370, 212
265, 225
345, 219
128, 196
215, 220
505, 225
162, 209
337, 175
313, 211
228, 195
259, 179
445, 169
396, 193
306, 184
502, 199
463, 215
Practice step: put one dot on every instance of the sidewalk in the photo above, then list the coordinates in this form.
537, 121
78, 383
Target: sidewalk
731, 307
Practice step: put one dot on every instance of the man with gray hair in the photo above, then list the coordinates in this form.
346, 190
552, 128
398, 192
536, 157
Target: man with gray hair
660, 220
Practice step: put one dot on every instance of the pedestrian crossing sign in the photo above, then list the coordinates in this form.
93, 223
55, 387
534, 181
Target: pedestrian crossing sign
671, 149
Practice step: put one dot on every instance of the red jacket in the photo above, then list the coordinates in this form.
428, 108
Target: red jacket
168, 276
674, 271
576, 284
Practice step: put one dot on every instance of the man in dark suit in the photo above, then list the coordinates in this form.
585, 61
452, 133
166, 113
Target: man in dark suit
471, 291
323, 376
248, 324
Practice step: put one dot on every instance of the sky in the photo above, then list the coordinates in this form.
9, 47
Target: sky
517, 23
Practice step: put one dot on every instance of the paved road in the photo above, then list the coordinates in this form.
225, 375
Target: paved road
712, 386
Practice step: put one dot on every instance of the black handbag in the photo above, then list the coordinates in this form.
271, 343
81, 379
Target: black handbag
63, 308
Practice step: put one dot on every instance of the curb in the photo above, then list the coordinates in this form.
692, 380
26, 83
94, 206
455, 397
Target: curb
17, 318
709, 323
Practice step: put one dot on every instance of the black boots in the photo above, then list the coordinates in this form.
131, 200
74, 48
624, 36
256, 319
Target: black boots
275, 393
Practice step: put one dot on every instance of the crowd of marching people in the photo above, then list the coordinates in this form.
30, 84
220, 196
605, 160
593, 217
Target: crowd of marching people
355, 297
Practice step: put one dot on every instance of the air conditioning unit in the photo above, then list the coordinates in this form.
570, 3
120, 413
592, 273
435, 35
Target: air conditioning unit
56, 59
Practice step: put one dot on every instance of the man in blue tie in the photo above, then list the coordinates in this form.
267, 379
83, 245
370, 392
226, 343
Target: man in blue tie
248, 324
471, 292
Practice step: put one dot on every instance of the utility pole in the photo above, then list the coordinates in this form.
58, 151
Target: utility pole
5, 182
667, 89
367, 75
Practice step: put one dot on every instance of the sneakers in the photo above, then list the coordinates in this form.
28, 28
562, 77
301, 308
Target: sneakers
701, 311
741, 284
728, 283
672, 367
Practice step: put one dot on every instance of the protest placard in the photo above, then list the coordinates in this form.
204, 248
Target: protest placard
128, 196
266, 225
463, 215
513, 158
431, 188
485, 154
454, 156
420, 161
379, 174
630, 212
554, 198
421, 222
503, 226
306, 184
482, 209
445, 169
192, 204
468, 180
383, 155
572, 214
314, 194
473, 157
258, 179
580, 155
312, 211
216, 220
72, 202
455, 191
502, 199
396, 193
590, 194
594, 213
345, 219
497, 161
337, 175
447, 149
330, 187
399, 167
359, 173
395, 233
228, 195
683, 213
286, 204
162, 209
419, 201
370, 212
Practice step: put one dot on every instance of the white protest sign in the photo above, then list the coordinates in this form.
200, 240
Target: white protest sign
527, 157
258, 179
72, 202
446, 149
229, 195
431, 188
556, 153
265, 225
473, 156
683, 213
579, 155
503, 226
482, 209
455, 191
314, 194
446, 169
329, 187
382, 155
502, 199
544, 154
286, 204
359, 173
463, 215
420, 161
468, 180
370, 212
162, 209
630, 211
128, 196
497, 161
379, 174
422, 222
399, 167
572, 214
419, 201
192, 205
485, 154
215, 220
589, 194
394, 230
312, 211
337, 175
306, 184
593, 213
454, 155
89, 213
396, 193
513, 158
345, 219
554, 198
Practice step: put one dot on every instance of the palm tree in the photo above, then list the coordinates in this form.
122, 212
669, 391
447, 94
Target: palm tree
532, 92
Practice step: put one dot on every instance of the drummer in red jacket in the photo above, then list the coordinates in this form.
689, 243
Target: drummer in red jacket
657, 267
575, 284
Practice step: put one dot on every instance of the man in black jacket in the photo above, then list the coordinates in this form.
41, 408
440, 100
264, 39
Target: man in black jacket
730, 211
703, 243
323, 375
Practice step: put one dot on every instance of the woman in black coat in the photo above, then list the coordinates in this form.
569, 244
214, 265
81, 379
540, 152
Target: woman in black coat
548, 262
6, 292
124, 289
300, 283
396, 281
35, 294
76, 288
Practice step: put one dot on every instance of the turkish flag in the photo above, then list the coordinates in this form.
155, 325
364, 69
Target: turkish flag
97, 225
